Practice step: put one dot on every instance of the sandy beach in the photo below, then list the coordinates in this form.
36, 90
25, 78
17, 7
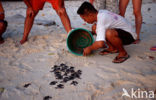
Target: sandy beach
25, 69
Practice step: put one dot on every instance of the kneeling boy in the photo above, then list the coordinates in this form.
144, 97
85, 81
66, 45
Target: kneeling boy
110, 28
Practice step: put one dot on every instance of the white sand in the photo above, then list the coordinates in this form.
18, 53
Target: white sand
101, 79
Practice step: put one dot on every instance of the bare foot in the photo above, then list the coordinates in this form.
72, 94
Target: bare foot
23, 41
120, 59
107, 51
136, 41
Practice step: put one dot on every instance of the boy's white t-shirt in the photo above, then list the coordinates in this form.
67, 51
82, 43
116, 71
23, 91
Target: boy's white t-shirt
108, 20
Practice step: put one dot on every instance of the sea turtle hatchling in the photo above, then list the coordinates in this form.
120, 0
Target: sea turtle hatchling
47, 98
60, 86
53, 82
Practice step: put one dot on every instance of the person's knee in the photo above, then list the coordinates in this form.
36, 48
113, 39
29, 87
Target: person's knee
137, 13
110, 33
31, 13
61, 11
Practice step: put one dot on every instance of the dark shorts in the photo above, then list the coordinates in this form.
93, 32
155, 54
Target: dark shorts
38, 4
125, 36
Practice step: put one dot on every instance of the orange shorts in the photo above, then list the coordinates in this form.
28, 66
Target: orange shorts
39, 4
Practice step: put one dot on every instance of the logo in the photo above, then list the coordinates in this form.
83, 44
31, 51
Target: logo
137, 93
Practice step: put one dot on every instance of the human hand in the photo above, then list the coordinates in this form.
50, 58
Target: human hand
86, 51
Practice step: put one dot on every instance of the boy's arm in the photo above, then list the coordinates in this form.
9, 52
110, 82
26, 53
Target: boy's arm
96, 45
27, 3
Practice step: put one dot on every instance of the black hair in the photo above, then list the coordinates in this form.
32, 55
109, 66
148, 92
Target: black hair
86, 7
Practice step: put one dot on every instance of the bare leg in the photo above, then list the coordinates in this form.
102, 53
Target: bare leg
112, 37
111, 49
138, 17
28, 24
122, 6
61, 11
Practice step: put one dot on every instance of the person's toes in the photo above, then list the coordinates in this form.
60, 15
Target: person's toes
120, 59
136, 41
104, 52
22, 41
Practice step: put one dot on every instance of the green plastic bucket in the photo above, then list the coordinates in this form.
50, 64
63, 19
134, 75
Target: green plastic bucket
78, 39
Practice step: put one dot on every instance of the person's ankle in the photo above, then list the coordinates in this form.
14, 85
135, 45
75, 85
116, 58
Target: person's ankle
136, 41
111, 49
123, 53
23, 41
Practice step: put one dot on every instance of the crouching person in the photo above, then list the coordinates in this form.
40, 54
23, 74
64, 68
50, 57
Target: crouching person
111, 29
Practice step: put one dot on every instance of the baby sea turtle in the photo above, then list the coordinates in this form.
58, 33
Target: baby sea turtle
60, 86
71, 67
53, 82
26, 85
74, 83
47, 98
66, 67
79, 72
72, 71
55, 66
71, 77
66, 79
65, 74
62, 64
59, 77
57, 73
55, 70
68, 71
63, 69
74, 74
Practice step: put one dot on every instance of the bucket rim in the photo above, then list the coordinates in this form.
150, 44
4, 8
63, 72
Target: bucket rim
69, 34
